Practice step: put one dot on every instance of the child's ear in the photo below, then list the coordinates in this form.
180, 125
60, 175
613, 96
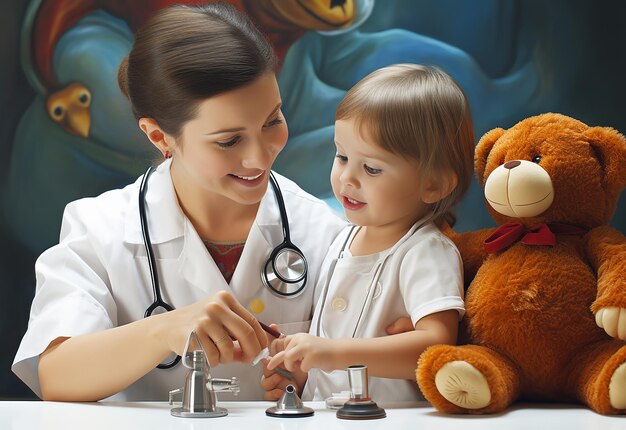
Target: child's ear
439, 186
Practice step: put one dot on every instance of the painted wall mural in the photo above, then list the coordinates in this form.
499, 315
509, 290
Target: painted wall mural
71, 132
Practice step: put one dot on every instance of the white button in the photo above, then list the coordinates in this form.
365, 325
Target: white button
339, 304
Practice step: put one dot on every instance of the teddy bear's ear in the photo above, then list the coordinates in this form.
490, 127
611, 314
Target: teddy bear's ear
483, 148
609, 147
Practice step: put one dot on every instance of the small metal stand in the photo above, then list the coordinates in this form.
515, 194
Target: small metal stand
199, 399
289, 406
360, 406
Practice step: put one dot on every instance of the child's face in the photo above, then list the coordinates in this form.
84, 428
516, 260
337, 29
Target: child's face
375, 187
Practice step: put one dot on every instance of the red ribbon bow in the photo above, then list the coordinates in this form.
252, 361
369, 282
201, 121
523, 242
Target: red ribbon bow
541, 234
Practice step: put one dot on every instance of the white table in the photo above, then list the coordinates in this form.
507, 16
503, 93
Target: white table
251, 416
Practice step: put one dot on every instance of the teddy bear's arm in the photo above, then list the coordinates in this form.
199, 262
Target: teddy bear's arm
606, 252
472, 249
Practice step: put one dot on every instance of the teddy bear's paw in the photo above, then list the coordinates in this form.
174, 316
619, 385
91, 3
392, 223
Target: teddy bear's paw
617, 388
463, 385
613, 321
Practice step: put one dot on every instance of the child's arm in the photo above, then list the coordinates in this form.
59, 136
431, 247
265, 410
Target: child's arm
387, 357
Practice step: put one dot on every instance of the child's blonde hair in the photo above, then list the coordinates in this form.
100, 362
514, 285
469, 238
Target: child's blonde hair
418, 112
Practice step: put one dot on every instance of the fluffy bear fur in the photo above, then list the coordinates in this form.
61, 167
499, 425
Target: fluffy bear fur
530, 310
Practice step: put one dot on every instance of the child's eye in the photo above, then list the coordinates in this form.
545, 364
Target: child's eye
371, 170
228, 144
341, 158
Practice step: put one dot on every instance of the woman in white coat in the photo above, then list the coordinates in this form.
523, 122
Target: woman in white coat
202, 86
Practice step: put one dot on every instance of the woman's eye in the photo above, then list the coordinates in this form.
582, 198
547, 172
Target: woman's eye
274, 122
371, 170
229, 143
341, 158
536, 159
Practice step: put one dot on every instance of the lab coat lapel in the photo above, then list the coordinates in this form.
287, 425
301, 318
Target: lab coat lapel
164, 216
197, 266
266, 232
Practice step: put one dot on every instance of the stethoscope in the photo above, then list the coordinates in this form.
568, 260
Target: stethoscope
371, 291
284, 272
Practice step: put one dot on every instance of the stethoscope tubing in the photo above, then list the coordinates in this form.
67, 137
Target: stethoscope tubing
285, 246
154, 275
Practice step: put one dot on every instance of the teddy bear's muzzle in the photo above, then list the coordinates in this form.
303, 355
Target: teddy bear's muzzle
519, 189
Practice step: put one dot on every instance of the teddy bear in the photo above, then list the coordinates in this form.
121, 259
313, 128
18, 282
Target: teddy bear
546, 290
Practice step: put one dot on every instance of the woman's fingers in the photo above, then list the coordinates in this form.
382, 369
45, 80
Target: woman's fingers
216, 335
243, 326
278, 345
223, 315
273, 384
271, 381
219, 320
213, 354
274, 395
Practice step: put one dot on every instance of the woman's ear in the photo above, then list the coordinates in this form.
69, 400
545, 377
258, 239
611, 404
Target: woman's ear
438, 186
156, 135
483, 148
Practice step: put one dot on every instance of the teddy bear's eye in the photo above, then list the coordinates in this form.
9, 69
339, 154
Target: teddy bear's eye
536, 158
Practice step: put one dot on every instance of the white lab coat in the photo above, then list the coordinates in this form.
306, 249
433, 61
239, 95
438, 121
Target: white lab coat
97, 277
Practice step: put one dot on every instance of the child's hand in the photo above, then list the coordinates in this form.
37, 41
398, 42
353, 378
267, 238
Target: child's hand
274, 384
303, 352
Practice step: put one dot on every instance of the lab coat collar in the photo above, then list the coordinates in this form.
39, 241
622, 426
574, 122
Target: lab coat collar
415, 227
265, 231
164, 215
166, 220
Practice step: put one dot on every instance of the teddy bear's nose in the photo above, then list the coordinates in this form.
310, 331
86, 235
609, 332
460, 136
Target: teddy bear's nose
512, 164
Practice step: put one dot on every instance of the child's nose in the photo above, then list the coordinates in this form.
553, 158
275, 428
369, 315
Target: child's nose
348, 177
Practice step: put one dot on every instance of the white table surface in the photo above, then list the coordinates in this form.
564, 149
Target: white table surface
32, 415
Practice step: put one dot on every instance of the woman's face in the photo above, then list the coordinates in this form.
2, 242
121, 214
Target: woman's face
229, 148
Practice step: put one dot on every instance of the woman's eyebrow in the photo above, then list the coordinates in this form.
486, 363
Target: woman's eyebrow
225, 130
278, 106
236, 129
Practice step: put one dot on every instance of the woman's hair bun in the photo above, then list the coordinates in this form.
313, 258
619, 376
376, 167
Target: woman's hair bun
122, 77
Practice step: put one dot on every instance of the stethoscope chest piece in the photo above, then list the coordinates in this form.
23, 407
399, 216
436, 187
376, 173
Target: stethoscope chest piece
289, 406
285, 271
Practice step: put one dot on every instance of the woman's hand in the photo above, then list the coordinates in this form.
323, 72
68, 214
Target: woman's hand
303, 352
274, 384
227, 331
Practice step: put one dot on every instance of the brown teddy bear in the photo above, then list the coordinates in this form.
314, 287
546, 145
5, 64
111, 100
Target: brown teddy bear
546, 306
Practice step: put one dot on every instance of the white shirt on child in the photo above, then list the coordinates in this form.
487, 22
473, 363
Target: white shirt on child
420, 275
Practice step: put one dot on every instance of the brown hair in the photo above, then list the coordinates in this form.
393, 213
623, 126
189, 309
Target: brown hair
418, 112
185, 54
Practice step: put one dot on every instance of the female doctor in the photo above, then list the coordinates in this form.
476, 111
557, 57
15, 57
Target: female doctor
202, 86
